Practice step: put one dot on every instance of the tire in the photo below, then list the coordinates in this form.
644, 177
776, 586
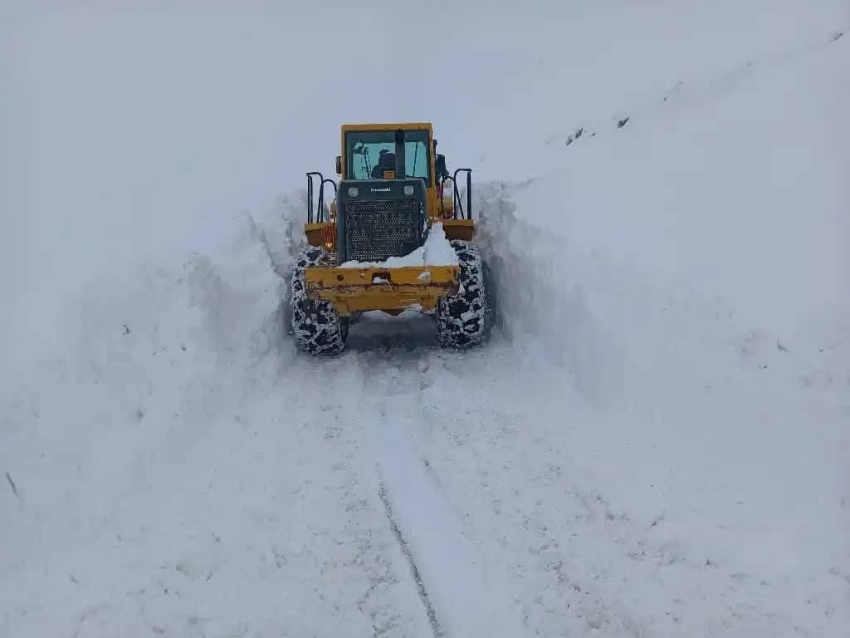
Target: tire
464, 319
318, 328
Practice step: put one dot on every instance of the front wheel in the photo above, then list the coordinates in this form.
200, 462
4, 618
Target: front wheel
464, 319
318, 328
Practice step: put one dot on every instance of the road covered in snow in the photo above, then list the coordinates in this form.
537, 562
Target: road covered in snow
654, 443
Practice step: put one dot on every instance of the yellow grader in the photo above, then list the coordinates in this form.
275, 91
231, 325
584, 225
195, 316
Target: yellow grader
396, 236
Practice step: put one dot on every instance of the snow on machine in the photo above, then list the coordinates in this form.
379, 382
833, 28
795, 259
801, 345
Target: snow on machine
396, 236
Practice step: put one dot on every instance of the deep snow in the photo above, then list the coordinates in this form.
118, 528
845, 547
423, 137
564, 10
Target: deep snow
655, 442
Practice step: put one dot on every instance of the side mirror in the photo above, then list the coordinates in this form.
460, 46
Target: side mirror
440, 166
338, 165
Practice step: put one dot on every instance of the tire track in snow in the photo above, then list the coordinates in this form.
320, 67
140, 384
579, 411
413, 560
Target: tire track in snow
461, 597
348, 556
405, 548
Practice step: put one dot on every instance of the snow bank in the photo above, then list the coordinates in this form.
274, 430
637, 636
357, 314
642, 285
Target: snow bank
435, 251
687, 274
170, 472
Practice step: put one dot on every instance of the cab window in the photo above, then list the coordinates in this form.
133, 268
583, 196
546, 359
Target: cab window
364, 150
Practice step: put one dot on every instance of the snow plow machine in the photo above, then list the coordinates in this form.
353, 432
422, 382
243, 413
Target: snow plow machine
397, 236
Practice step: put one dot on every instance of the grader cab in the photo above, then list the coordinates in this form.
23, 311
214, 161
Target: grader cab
396, 236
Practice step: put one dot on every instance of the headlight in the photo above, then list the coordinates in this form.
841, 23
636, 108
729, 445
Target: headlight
408, 190
353, 191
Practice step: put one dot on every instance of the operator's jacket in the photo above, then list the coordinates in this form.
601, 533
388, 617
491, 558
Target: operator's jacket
385, 163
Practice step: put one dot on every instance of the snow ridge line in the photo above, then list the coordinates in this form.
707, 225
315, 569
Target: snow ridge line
690, 93
405, 548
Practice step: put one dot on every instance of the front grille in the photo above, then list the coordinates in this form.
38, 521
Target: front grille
378, 229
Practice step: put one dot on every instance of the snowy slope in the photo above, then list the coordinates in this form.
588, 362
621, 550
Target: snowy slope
655, 443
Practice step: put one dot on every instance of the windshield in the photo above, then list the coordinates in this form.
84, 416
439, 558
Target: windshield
364, 151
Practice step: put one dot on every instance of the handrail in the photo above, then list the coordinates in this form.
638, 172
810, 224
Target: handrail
320, 208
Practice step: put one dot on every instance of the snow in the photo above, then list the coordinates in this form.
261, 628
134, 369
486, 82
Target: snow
434, 251
655, 442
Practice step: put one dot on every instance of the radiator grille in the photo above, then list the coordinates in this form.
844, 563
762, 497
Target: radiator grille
377, 229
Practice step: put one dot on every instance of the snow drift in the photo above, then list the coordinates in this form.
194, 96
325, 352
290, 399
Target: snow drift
654, 443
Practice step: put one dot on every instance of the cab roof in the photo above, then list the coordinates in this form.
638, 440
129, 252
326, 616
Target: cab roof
391, 126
